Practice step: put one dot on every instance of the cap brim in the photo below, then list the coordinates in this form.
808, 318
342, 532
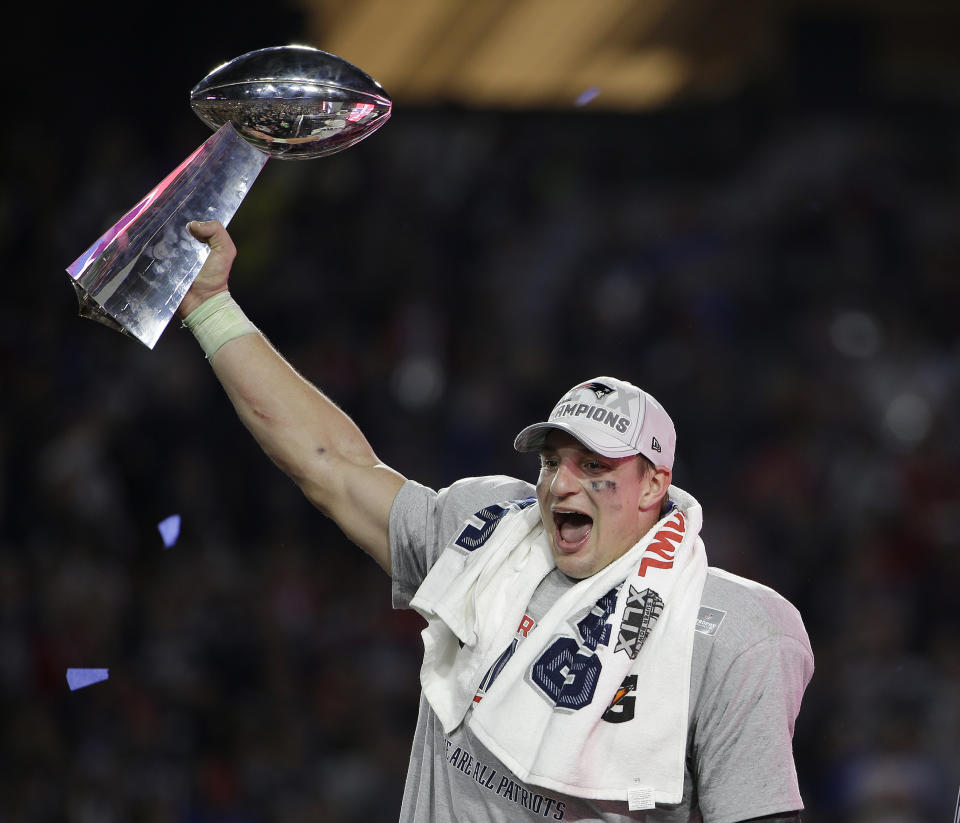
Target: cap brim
532, 438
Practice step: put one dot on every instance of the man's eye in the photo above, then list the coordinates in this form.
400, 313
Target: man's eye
594, 466
548, 463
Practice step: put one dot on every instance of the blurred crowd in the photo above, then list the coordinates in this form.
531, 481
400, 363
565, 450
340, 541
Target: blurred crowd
786, 282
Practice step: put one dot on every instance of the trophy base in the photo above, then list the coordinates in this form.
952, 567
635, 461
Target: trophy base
135, 276
92, 311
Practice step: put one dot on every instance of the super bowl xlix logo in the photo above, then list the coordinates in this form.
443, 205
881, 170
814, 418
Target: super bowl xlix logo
639, 616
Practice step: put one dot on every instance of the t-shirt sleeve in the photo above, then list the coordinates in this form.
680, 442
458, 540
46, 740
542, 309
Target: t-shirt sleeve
743, 748
423, 521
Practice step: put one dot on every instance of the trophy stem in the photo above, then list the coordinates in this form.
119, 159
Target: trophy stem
134, 277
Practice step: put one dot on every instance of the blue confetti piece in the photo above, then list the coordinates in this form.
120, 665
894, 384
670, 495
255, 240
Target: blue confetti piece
587, 96
80, 678
169, 529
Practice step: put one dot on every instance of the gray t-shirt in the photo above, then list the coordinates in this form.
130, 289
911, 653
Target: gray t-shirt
751, 664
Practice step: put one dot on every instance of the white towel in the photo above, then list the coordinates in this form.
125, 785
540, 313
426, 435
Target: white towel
544, 716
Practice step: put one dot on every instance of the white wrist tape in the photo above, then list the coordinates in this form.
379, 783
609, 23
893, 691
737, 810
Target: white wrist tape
216, 321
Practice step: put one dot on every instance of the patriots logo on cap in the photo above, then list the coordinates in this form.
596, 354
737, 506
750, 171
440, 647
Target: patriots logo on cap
599, 389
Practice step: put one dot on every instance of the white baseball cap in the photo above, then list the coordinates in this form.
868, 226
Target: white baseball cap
610, 417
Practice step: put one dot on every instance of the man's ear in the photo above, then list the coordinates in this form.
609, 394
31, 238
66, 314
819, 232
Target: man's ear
658, 481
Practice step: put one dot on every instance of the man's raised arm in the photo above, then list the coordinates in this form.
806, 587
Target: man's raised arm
300, 429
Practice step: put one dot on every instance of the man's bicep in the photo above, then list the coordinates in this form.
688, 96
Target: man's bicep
362, 507
743, 748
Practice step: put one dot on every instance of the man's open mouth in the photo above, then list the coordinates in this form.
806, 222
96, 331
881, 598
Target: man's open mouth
573, 528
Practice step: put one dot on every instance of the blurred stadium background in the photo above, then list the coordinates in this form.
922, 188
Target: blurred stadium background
749, 208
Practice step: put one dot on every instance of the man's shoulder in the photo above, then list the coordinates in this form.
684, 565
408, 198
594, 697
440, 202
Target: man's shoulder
423, 521
467, 496
479, 492
738, 612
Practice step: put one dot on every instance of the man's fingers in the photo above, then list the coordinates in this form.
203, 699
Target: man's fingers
202, 229
213, 234
206, 230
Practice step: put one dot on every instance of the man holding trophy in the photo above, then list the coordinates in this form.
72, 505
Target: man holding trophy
581, 660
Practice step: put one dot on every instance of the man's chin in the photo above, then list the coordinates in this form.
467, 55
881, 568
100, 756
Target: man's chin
573, 565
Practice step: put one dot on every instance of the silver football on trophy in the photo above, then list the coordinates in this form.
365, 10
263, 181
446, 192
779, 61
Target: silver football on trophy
294, 102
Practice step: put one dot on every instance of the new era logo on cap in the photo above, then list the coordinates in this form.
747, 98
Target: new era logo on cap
611, 417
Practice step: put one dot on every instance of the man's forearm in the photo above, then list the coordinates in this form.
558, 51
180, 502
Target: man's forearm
290, 418
310, 439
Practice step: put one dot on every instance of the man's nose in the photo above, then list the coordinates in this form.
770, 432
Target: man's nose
564, 480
